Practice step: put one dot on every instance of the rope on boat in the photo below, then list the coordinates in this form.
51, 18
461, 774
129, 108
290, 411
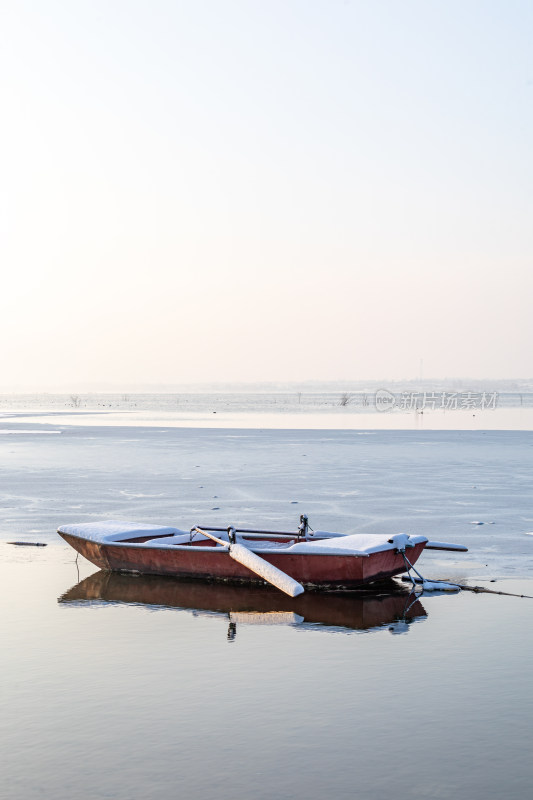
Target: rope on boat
410, 567
475, 589
429, 586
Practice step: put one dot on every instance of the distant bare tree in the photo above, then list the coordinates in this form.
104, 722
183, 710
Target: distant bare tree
345, 399
75, 400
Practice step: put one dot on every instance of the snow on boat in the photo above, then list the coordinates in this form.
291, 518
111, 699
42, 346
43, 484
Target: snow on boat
314, 560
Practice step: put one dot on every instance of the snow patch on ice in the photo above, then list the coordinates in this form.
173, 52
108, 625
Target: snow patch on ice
127, 493
439, 586
8, 433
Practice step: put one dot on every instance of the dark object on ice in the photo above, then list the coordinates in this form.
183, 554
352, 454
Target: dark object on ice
29, 544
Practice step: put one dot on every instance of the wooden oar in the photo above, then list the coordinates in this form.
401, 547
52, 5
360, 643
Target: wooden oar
256, 564
460, 548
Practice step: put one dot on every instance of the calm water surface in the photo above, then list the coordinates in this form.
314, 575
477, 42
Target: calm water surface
123, 687
126, 688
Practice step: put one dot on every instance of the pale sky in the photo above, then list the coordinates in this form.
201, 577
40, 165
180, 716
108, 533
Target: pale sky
233, 190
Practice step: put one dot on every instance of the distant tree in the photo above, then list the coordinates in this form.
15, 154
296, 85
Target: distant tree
345, 399
75, 400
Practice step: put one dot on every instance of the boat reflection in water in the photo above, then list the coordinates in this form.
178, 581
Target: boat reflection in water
387, 607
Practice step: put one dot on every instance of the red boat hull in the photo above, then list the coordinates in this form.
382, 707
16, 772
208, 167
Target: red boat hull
319, 572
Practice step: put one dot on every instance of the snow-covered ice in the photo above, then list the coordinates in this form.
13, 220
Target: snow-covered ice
426, 483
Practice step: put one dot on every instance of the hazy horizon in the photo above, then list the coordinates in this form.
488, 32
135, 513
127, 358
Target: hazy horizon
265, 192
355, 384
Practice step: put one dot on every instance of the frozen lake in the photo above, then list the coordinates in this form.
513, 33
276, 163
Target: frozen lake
470, 487
123, 687
327, 410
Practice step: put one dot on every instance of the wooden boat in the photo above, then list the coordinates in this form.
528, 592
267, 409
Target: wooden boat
392, 607
314, 560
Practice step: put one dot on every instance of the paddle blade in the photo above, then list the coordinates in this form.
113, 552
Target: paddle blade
265, 570
446, 546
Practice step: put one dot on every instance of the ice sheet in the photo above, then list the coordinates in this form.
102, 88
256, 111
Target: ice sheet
432, 484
